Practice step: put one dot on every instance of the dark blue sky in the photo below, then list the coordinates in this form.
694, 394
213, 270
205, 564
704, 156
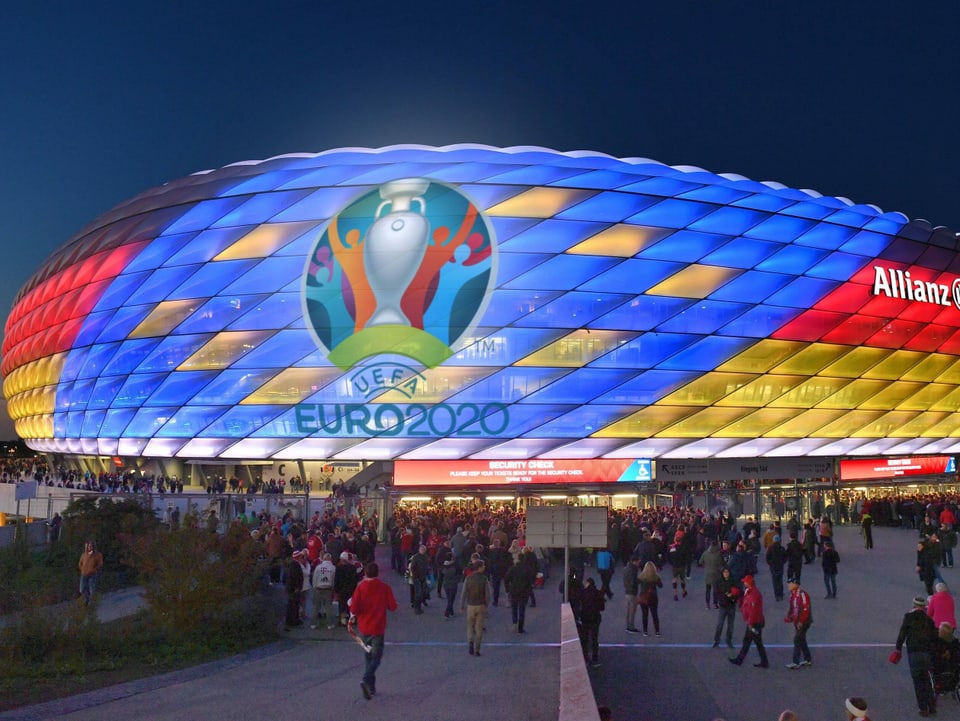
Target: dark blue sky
101, 100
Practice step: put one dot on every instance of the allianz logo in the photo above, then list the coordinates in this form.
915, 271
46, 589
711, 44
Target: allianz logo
894, 283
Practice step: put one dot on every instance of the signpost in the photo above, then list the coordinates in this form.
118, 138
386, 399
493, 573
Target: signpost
566, 527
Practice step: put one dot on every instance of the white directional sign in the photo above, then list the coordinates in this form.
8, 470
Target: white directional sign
566, 527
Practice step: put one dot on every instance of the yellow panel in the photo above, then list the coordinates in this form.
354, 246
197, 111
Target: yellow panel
540, 202
577, 349
854, 395
441, 383
621, 240
920, 424
695, 281
707, 389
949, 403
761, 356
805, 424
929, 368
263, 240
811, 359
951, 375
949, 427
896, 365
225, 349
762, 391
757, 423
645, 423
291, 386
892, 396
164, 318
855, 363
849, 424
931, 396
809, 393
886, 425
705, 423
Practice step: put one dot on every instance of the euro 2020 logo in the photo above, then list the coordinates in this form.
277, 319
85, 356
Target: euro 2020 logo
405, 269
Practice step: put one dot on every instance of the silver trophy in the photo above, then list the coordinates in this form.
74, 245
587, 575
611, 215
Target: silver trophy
394, 248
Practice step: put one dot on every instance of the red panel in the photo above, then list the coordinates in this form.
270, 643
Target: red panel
894, 334
855, 330
952, 346
848, 298
930, 338
810, 326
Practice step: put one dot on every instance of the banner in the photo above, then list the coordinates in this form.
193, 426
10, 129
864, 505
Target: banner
501, 473
864, 469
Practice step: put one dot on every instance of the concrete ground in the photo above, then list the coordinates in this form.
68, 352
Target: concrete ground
428, 675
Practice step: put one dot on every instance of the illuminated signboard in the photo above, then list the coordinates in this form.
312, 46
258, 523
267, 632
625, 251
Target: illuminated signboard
865, 469
497, 473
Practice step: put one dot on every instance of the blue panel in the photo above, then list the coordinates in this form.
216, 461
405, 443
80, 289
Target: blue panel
59, 425
610, 207
826, 235
93, 326
563, 272
282, 349
172, 351
158, 286
268, 181
533, 175
707, 354
526, 418
510, 265
508, 385
200, 216
507, 305
92, 420
120, 289
782, 228
808, 209
146, 422
394, 170
849, 218
582, 421
553, 236
124, 321
802, 293
867, 243
330, 175
633, 276
231, 387
649, 387
241, 421
793, 259
75, 396
742, 253
217, 313
469, 172
760, 322
505, 229
211, 278
705, 316
105, 391
72, 365
839, 266
137, 389
646, 351
765, 201
319, 205
662, 186
506, 346
208, 244
580, 386
116, 422
729, 220
283, 426
156, 252
751, 287
269, 276
672, 214
190, 422
74, 424
97, 359
486, 196
684, 246
643, 313
721, 194
130, 355
277, 311
889, 223
178, 388
261, 208
599, 179
572, 310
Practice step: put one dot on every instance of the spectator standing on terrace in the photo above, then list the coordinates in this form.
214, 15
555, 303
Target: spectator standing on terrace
91, 563
369, 605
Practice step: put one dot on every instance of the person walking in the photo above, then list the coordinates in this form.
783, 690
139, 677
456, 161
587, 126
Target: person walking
591, 608
727, 594
323, 590
294, 588
711, 573
800, 614
605, 569
919, 634
866, 525
368, 609
631, 587
476, 594
519, 585
776, 559
648, 598
419, 570
940, 607
90, 565
450, 576
751, 608
829, 561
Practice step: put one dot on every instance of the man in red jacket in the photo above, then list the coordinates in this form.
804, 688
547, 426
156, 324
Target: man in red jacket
800, 614
368, 609
751, 608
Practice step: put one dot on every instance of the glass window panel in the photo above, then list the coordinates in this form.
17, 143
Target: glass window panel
115, 421
505, 347
857, 393
470, 172
949, 402
231, 386
646, 350
553, 236
646, 422
694, 281
217, 313
189, 422
74, 424
684, 246
609, 207
71, 396
827, 236
951, 375
729, 221
269, 275
241, 421
582, 421
929, 368
577, 349
260, 208
663, 186
329, 175
919, 425
130, 354
73, 364
123, 322
224, 349
172, 351
59, 426
137, 388
202, 215
752, 286
838, 266
572, 309
761, 391
97, 359
672, 214
703, 317
580, 386
92, 420
849, 424
885, 426
706, 354
620, 240
563, 272
893, 394
506, 306
533, 175
318, 205
721, 194
600, 179
208, 244
436, 385
707, 389
811, 359
393, 170
265, 240
283, 349
120, 289
765, 201
707, 422
156, 252
178, 388
485, 196
292, 385
810, 393
896, 365
283, 426
761, 356
93, 326
803, 292
147, 421
781, 228
850, 216
741, 253
809, 209
506, 229
758, 423
867, 243
210, 279
540, 202
631, 276
158, 286
856, 362
643, 313
647, 388
792, 260
165, 317
806, 424
508, 385
888, 223
930, 397
510, 265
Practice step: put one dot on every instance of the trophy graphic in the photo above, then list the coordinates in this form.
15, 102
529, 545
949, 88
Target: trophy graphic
394, 248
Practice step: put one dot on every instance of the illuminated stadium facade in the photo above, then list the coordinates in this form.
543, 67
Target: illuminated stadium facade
487, 304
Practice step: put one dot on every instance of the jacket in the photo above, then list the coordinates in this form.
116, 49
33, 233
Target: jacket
591, 604
751, 607
476, 590
917, 631
370, 603
799, 611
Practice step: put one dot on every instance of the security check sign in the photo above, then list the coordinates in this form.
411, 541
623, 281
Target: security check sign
566, 527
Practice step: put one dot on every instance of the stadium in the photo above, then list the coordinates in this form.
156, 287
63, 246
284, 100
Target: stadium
471, 317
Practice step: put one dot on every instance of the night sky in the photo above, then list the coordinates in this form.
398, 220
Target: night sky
101, 100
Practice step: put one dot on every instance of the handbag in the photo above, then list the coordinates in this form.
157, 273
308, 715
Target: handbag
895, 656
645, 598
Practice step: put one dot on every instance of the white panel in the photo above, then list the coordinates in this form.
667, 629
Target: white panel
204, 447
254, 448
163, 447
107, 446
519, 448
650, 448
447, 448
585, 448
131, 446
315, 448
